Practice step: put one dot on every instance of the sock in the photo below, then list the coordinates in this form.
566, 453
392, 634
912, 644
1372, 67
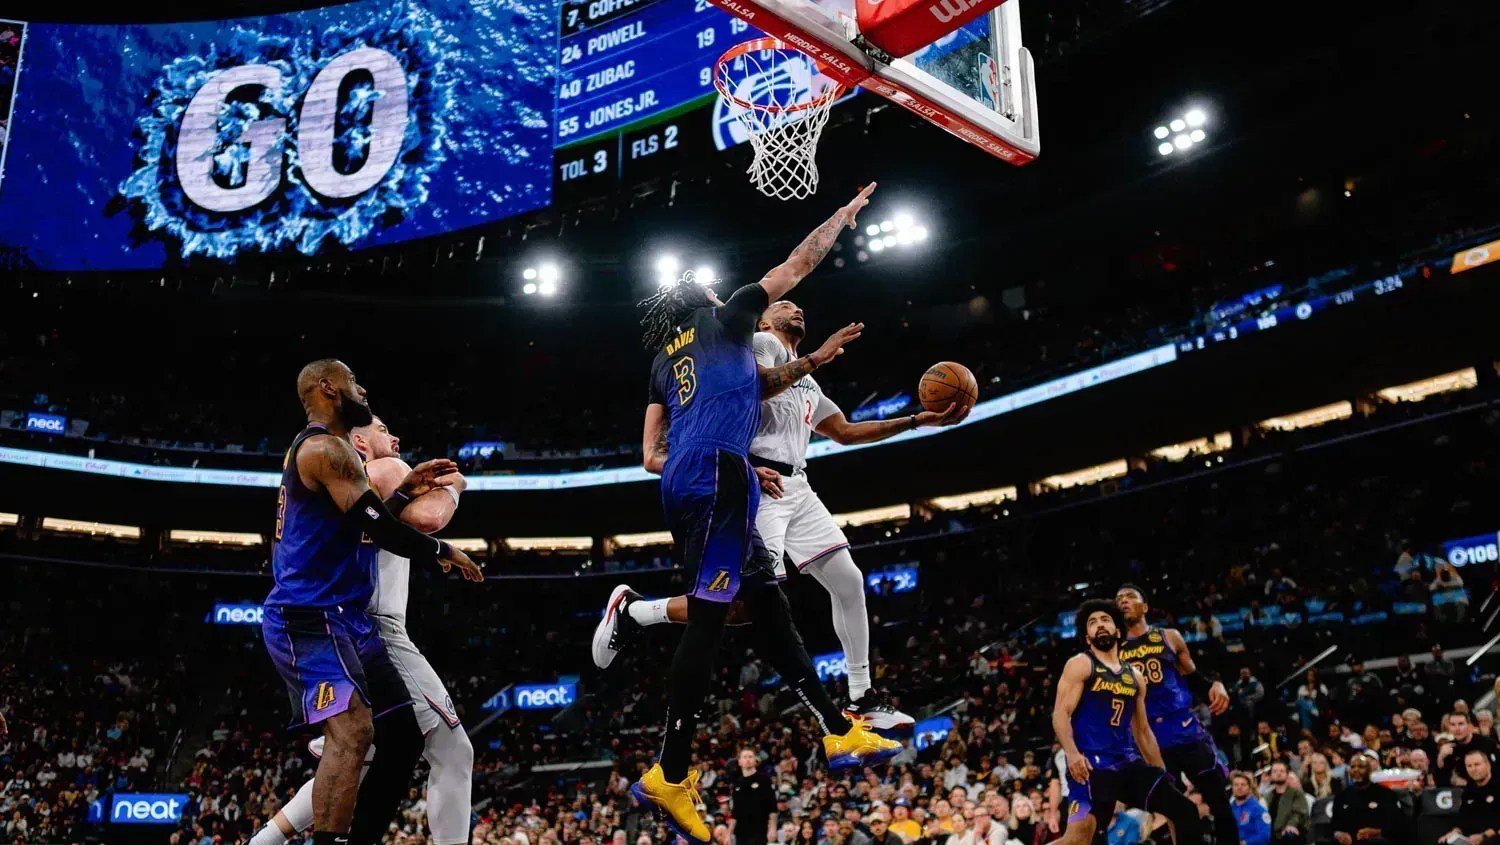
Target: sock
268, 835
329, 837
648, 611
859, 680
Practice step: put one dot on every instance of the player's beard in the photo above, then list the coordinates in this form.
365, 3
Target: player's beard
1104, 641
353, 413
787, 327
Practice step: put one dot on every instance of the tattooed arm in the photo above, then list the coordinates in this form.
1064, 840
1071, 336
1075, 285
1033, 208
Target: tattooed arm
811, 251
330, 463
774, 380
654, 439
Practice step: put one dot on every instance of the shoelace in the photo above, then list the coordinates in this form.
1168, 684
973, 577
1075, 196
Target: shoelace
691, 784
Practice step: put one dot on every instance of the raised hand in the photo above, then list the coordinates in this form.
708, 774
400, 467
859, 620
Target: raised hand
951, 415
428, 476
833, 347
851, 210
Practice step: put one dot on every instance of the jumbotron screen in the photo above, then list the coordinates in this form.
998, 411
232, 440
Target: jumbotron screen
349, 126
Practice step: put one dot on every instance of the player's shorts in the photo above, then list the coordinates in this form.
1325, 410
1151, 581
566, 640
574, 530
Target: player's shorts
326, 657
1197, 759
1131, 783
428, 695
798, 525
710, 506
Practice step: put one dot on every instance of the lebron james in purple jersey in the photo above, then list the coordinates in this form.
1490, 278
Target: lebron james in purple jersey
1100, 720
323, 642
702, 411
1161, 656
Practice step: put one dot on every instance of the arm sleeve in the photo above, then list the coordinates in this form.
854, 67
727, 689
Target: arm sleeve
768, 350
826, 408
390, 533
740, 314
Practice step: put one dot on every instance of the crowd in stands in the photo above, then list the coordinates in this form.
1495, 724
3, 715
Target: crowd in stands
1244, 559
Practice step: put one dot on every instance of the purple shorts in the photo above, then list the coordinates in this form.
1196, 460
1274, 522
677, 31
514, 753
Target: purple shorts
328, 656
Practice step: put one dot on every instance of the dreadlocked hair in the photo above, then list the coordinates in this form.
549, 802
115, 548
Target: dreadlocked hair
668, 306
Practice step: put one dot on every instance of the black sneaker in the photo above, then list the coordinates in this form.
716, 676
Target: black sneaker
878, 712
616, 629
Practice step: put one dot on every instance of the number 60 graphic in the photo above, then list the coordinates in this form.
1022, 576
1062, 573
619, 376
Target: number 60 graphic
198, 136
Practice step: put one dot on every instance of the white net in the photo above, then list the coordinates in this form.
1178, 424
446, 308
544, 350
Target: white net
779, 96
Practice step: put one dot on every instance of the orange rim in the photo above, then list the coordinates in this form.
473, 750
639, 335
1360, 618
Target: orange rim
755, 45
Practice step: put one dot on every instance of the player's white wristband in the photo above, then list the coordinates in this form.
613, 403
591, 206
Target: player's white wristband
452, 491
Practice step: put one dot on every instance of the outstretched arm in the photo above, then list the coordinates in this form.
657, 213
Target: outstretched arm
837, 427
808, 254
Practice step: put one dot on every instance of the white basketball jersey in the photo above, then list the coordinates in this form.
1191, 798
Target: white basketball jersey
787, 419
392, 584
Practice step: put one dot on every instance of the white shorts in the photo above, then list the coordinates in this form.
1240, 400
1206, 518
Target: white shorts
797, 525
428, 695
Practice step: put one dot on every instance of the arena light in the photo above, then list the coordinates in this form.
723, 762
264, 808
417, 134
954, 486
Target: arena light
902, 229
1311, 417
1085, 476
1418, 390
550, 544
213, 538
10, 519
667, 268
544, 278
1181, 133
93, 529
704, 274
1175, 452
889, 513
642, 540
470, 545
978, 498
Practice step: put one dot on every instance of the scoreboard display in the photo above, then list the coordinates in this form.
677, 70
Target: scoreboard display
634, 78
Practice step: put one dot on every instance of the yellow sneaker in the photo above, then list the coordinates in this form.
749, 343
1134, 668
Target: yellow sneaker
859, 747
673, 803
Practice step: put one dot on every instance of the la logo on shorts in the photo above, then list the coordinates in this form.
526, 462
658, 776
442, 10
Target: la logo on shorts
323, 698
720, 582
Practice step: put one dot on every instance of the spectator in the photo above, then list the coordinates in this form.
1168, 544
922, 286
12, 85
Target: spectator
1365, 812
1288, 806
1479, 814
1250, 815
903, 825
880, 833
1450, 602
754, 800
1312, 700
1128, 827
1022, 822
1249, 692
1451, 770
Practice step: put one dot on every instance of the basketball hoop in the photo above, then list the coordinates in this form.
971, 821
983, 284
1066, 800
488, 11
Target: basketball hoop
782, 98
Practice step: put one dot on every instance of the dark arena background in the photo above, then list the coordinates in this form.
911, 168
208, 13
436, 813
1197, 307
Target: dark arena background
1233, 332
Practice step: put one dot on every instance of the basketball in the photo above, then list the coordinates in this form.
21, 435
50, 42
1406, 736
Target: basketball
945, 383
